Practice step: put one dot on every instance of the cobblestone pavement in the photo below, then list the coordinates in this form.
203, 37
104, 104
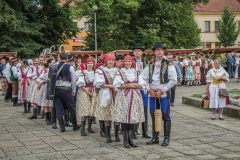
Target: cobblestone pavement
194, 136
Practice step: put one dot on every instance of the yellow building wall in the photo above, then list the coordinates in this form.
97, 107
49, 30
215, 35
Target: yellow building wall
212, 35
78, 41
75, 42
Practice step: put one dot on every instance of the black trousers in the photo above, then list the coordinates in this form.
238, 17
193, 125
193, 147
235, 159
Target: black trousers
64, 98
8, 95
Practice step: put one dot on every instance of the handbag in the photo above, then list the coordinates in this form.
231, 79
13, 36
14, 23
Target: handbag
223, 93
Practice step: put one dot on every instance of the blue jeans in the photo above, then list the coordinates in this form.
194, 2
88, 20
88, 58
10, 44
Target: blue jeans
144, 98
163, 103
230, 70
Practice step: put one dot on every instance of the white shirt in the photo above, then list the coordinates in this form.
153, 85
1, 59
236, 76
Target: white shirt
131, 76
6, 71
89, 77
72, 84
99, 79
172, 76
24, 72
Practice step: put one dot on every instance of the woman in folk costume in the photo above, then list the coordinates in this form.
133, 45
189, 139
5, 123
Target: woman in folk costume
128, 109
86, 96
203, 70
98, 68
237, 72
38, 69
42, 101
189, 73
197, 73
30, 82
216, 79
25, 73
103, 80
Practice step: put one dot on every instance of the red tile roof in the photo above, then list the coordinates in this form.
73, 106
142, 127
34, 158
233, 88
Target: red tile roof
218, 6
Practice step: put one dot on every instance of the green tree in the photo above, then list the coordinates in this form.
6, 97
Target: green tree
122, 23
228, 31
28, 26
17, 32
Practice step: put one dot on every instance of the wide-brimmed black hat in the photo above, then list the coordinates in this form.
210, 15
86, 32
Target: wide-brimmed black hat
158, 45
119, 57
70, 57
138, 46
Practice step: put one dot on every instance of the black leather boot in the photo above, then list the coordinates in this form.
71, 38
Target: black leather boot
34, 114
144, 131
108, 134
90, 121
15, 101
43, 115
25, 107
130, 136
29, 107
134, 131
74, 122
167, 130
125, 139
54, 119
61, 124
48, 118
82, 130
116, 129
39, 110
66, 118
155, 135
102, 128
94, 120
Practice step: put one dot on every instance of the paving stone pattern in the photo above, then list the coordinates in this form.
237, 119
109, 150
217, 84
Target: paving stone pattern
194, 136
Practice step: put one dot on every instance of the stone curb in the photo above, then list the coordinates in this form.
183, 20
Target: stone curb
230, 110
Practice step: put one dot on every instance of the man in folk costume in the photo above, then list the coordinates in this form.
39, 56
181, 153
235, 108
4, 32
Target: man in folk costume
65, 91
140, 64
37, 70
14, 80
118, 64
24, 85
160, 78
51, 84
119, 61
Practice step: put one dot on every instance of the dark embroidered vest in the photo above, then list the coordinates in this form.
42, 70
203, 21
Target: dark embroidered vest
64, 74
163, 71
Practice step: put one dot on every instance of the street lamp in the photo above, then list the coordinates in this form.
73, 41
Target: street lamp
95, 9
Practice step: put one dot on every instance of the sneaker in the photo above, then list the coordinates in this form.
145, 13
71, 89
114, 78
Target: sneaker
213, 117
221, 118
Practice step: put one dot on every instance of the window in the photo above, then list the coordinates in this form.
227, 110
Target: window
207, 26
88, 26
207, 45
76, 23
77, 48
216, 26
217, 45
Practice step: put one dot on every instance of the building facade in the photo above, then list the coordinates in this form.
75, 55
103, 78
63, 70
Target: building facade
208, 16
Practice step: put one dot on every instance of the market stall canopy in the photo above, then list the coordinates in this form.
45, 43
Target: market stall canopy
8, 54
